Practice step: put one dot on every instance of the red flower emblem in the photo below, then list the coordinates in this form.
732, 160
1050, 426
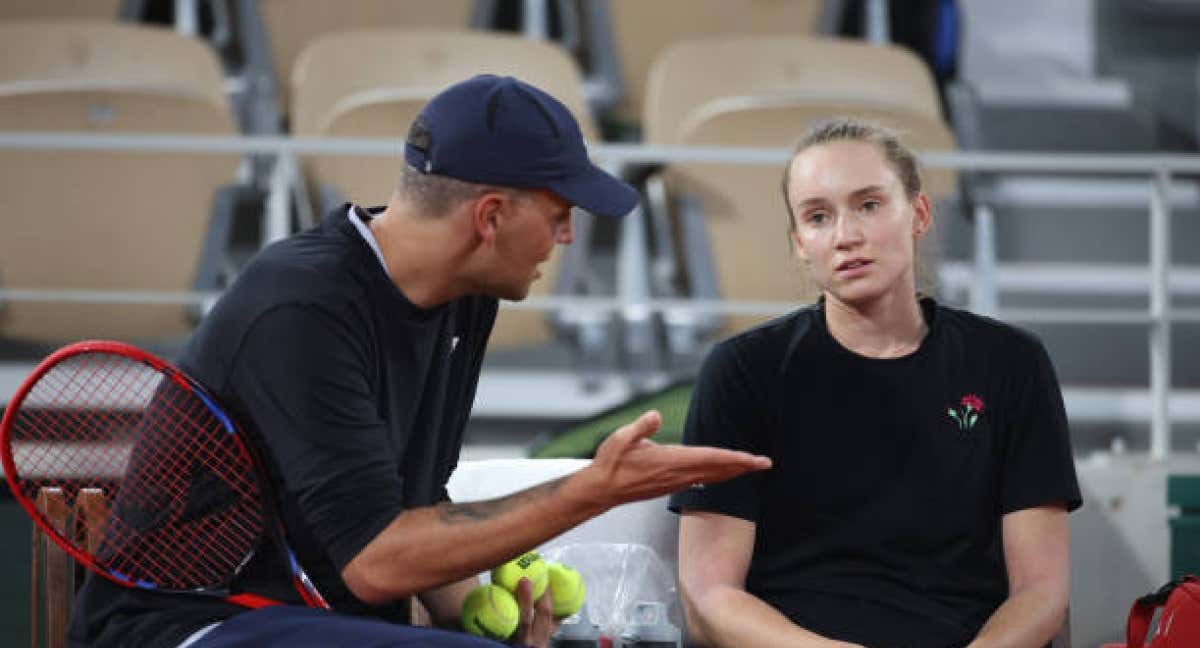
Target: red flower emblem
972, 401
972, 408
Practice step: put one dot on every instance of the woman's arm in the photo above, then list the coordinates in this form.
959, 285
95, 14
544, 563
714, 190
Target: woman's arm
1037, 555
714, 556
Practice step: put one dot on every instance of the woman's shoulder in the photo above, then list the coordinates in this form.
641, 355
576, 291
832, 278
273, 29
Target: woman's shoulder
771, 340
982, 329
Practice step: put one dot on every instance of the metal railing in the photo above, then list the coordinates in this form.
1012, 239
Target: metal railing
633, 301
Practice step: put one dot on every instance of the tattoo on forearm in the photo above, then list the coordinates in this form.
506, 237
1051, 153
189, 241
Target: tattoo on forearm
458, 513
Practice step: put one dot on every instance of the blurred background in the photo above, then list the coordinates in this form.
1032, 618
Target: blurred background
148, 148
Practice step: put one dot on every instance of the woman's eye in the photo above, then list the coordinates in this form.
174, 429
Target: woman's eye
816, 218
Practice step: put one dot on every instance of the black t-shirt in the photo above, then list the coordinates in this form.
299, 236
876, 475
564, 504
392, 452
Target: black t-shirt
880, 522
358, 400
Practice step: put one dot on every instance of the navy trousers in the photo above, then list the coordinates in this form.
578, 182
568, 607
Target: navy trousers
300, 627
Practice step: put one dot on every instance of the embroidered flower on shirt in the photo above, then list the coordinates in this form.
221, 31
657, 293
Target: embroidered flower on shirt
971, 407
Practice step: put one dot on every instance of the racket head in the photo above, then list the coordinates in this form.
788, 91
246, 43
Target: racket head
185, 505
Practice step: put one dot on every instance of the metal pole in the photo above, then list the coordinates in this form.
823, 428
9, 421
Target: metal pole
535, 19
277, 218
633, 291
617, 154
187, 21
633, 274
305, 213
984, 293
878, 22
1160, 313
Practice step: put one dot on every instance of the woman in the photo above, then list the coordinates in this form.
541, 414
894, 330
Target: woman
922, 469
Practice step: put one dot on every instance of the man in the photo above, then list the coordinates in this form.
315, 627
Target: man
353, 351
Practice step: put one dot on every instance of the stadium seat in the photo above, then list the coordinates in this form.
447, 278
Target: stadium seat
765, 92
642, 30
97, 220
292, 25
372, 83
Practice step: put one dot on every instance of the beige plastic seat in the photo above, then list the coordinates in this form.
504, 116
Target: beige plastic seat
105, 220
765, 92
372, 83
55, 9
293, 24
642, 30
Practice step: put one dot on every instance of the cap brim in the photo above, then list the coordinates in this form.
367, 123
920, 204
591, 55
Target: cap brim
597, 191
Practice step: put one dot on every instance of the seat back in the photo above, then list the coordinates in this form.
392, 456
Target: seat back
642, 30
692, 73
105, 220
74, 9
372, 83
54, 576
292, 25
766, 92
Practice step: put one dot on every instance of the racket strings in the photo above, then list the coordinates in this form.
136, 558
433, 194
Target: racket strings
181, 489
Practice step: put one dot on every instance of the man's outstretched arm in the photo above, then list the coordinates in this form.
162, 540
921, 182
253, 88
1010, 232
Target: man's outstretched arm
431, 546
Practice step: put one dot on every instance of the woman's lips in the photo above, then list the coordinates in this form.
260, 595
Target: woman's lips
853, 268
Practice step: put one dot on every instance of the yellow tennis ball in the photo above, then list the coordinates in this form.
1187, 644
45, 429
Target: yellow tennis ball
566, 588
528, 565
489, 611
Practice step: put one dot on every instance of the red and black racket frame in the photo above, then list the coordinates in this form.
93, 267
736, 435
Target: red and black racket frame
301, 582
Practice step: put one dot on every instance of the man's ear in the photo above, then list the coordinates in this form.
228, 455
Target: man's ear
487, 215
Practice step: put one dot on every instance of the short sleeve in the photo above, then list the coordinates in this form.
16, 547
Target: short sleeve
304, 379
1039, 467
725, 412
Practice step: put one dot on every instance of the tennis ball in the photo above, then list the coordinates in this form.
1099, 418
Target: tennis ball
528, 565
489, 611
566, 588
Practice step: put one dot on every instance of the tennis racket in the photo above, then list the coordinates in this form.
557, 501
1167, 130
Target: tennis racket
187, 501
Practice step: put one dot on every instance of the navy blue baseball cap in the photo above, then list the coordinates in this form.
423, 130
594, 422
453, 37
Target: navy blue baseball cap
502, 131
